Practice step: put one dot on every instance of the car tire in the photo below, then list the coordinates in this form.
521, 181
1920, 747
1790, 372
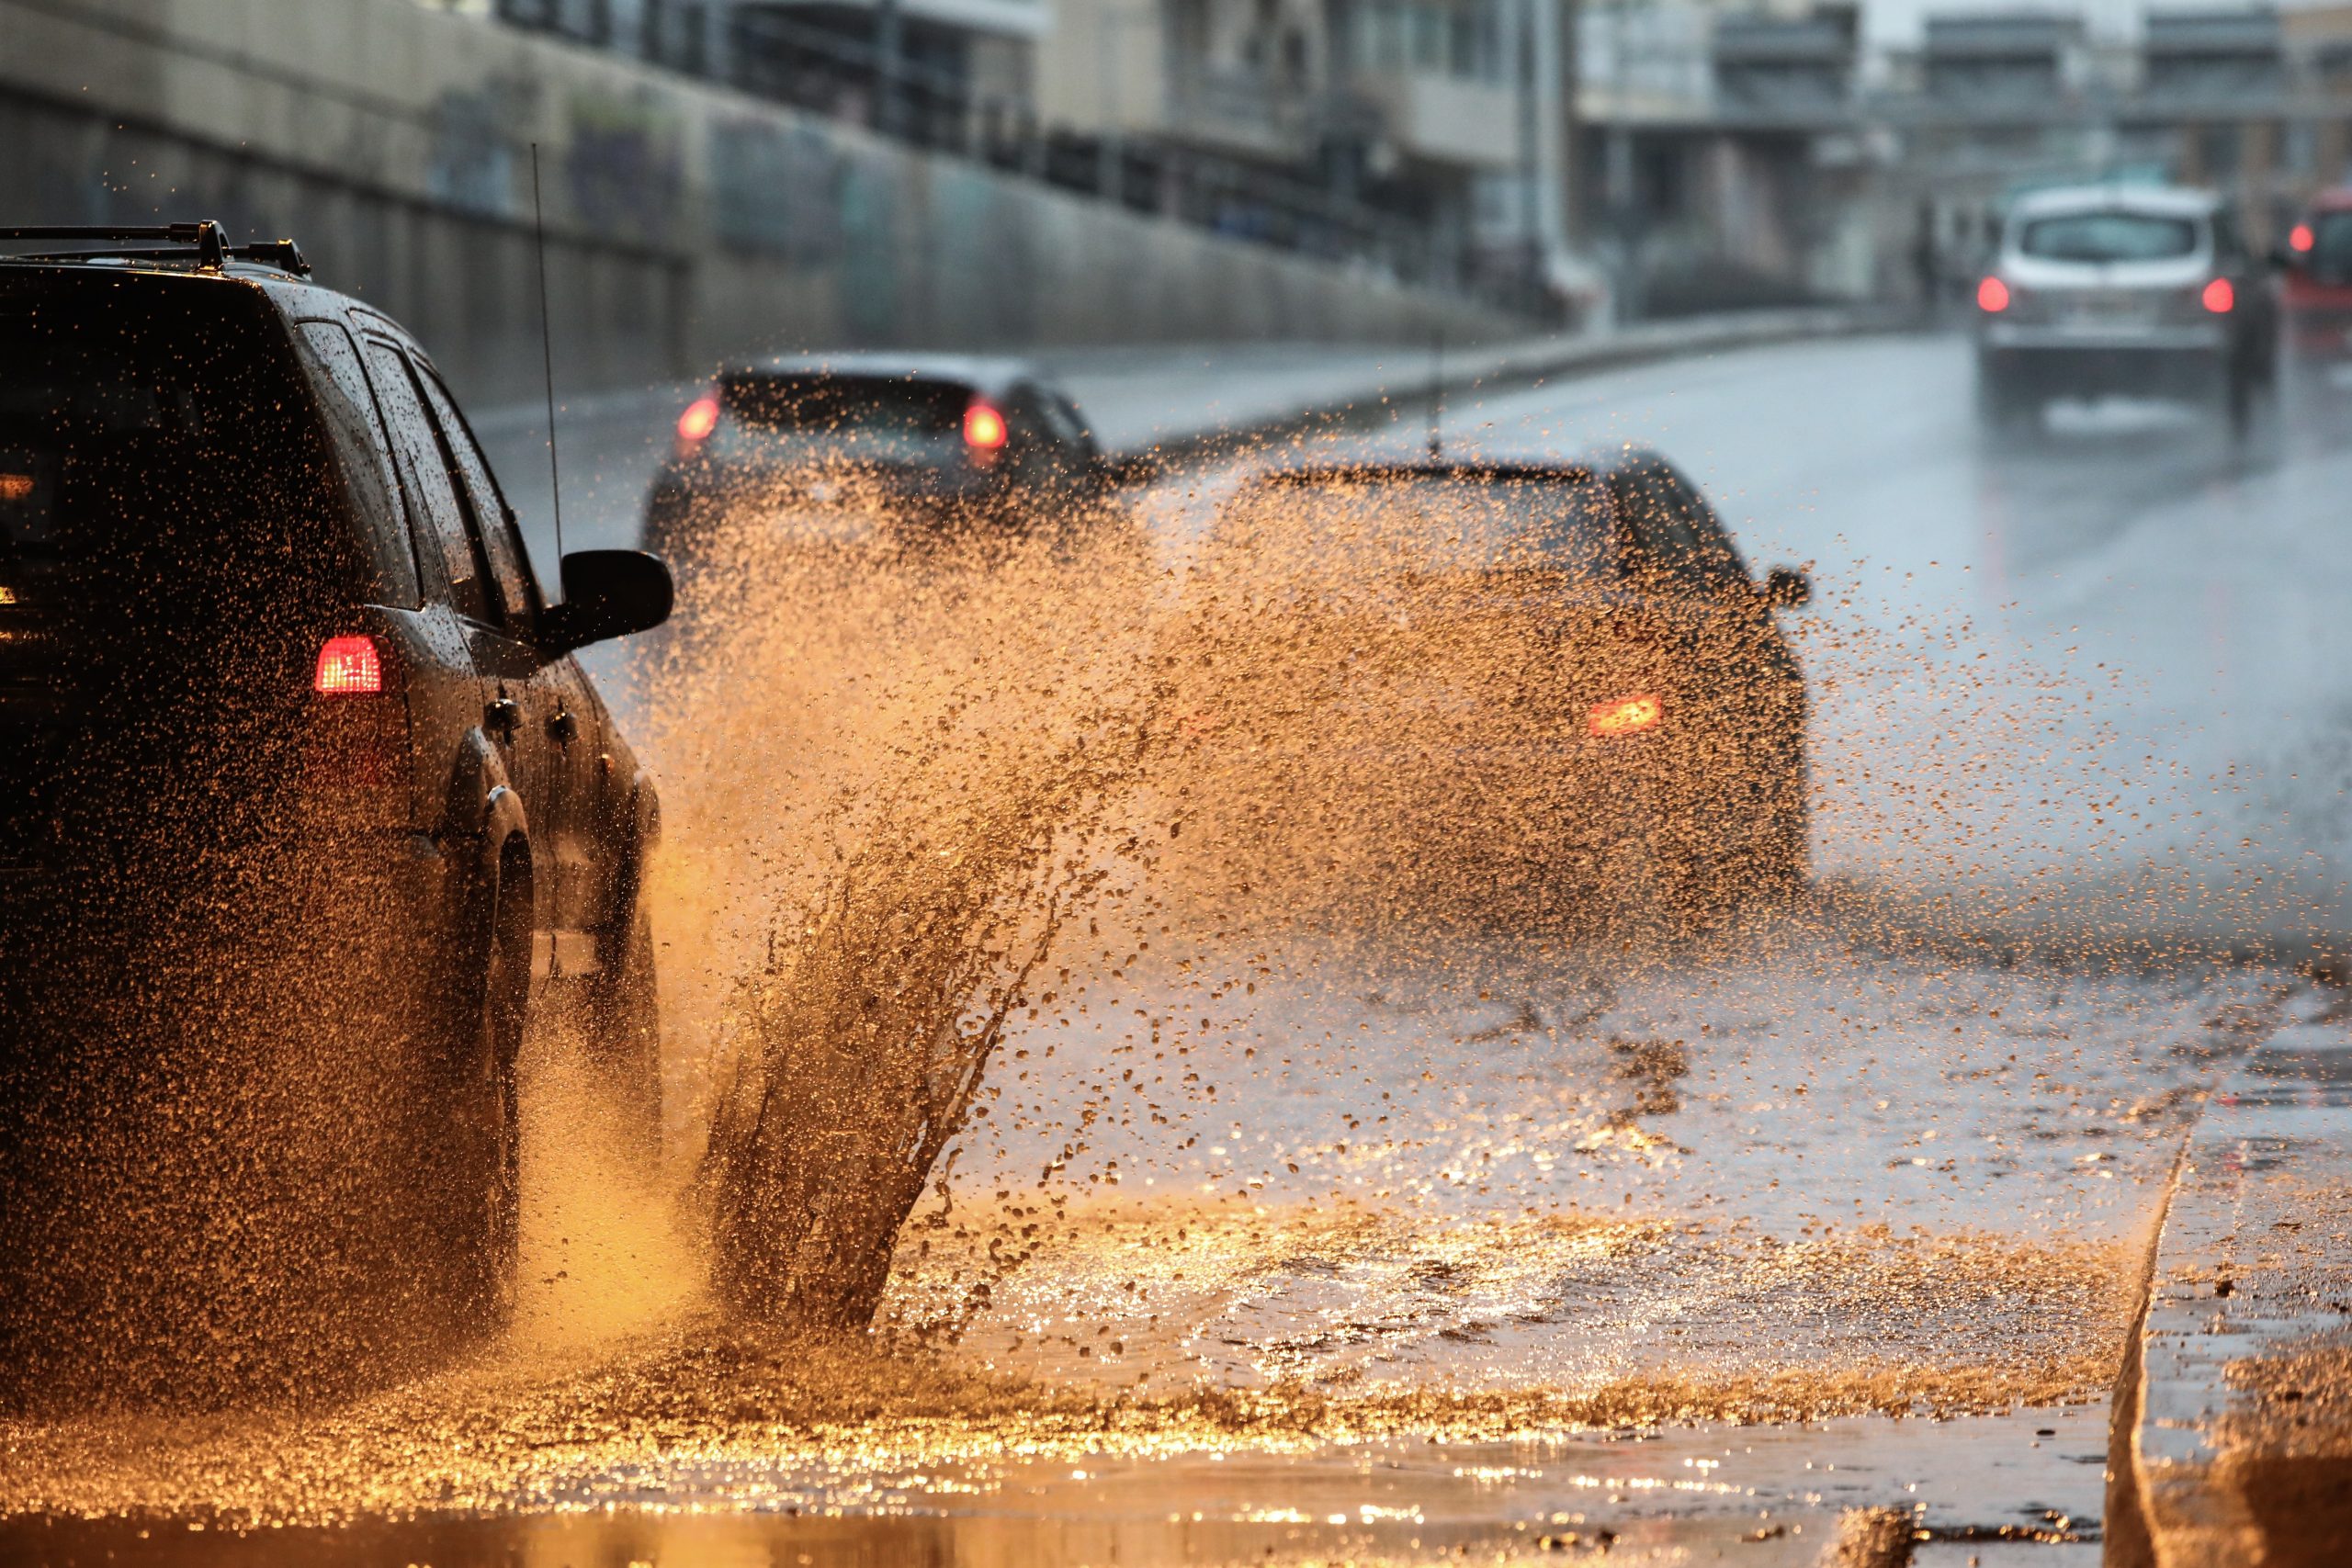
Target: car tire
2001, 408
483, 1141
1781, 845
1721, 858
625, 1044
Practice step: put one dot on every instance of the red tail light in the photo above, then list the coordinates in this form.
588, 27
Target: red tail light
984, 430
2299, 239
700, 419
1993, 295
349, 667
2219, 297
1628, 716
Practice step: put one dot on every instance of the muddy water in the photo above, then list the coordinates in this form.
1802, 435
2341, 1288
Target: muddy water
1268, 1218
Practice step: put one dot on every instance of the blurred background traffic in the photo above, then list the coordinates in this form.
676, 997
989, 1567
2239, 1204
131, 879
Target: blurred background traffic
723, 176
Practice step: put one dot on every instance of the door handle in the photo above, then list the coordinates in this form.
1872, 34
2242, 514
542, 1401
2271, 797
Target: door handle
563, 727
501, 716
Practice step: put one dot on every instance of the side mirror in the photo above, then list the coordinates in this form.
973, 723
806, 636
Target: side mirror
1787, 588
608, 593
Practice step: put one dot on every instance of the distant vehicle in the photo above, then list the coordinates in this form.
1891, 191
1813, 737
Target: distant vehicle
2316, 268
925, 445
264, 605
2132, 290
1632, 673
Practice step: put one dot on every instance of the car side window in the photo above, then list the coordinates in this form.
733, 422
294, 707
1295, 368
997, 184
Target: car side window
1036, 449
425, 476
1658, 531
1061, 418
1714, 558
341, 386
510, 567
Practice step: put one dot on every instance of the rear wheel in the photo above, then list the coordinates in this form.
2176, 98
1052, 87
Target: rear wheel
484, 1124
1745, 849
626, 1044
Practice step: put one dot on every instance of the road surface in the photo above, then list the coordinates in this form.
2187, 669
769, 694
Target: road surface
1303, 1249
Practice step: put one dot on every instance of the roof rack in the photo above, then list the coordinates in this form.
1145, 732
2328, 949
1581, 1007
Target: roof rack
207, 239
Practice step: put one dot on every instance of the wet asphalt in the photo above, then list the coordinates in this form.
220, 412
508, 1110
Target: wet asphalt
1681, 1263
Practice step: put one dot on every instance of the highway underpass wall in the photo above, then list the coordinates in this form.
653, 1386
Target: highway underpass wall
686, 223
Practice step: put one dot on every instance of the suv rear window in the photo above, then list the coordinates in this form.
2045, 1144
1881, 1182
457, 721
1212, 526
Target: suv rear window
2108, 237
1420, 524
851, 418
162, 427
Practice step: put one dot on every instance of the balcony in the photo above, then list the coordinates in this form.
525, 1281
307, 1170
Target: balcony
1243, 111
1435, 118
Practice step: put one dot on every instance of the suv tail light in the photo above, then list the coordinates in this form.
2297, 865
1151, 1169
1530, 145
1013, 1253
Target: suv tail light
2299, 239
1993, 295
349, 667
1627, 716
2219, 297
984, 431
695, 424
356, 753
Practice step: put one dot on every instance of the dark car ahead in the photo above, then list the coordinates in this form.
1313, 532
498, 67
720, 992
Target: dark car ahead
270, 646
833, 446
1575, 652
2316, 275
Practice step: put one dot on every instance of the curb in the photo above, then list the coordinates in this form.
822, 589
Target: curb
2233, 1425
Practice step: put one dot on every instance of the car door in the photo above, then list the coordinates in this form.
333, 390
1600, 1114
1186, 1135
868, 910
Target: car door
444, 698
561, 730
1738, 672
1678, 612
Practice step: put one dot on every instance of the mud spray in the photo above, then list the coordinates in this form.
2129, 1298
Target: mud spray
1150, 982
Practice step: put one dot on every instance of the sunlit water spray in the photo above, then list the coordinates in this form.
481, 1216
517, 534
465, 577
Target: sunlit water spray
1264, 1087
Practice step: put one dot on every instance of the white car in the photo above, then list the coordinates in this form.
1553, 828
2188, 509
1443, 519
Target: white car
2119, 289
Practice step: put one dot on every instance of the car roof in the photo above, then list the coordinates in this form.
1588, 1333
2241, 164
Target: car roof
1600, 463
983, 372
2339, 199
2169, 201
294, 297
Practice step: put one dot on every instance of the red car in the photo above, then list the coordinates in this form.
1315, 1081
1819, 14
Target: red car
2317, 268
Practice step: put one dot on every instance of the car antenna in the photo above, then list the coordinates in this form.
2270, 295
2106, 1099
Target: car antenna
547, 347
1437, 394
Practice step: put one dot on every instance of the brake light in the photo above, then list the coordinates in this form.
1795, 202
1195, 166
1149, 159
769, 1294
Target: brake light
700, 419
1993, 295
2301, 238
1627, 716
349, 667
983, 426
2218, 296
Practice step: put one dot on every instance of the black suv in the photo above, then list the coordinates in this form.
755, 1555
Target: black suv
269, 641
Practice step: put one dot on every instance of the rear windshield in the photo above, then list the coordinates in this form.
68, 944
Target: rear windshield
1442, 526
162, 423
820, 418
2108, 237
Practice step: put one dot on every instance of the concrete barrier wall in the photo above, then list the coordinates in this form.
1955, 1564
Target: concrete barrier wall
685, 223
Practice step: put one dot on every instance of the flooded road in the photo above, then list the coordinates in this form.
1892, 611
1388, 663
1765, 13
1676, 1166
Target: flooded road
1281, 1237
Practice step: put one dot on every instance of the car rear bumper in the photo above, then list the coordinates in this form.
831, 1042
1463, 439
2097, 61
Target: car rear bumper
391, 883
2186, 365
